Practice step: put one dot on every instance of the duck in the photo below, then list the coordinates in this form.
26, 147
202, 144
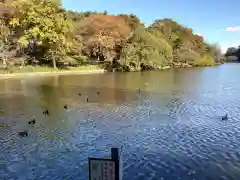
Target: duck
65, 107
225, 117
32, 121
23, 133
46, 112
98, 92
87, 99
79, 94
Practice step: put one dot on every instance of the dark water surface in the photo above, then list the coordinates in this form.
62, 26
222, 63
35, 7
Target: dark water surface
171, 130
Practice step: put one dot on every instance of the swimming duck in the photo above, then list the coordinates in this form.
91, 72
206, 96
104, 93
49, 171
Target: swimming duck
65, 107
79, 94
32, 121
23, 133
225, 117
46, 112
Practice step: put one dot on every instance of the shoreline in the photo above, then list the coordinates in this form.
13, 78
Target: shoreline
51, 73
70, 72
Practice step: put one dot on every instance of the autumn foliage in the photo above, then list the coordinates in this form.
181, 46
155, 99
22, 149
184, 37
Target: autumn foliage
102, 34
45, 32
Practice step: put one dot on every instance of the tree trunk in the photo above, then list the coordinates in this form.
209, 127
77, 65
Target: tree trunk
4, 62
54, 63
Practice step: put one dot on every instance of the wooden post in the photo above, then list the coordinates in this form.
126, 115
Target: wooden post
115, 157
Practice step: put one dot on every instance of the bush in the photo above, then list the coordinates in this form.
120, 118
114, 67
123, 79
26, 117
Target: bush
81, 59
205, 61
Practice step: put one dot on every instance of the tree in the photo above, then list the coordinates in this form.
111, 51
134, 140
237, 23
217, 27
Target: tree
214, 51
102, 35
187, 47
231, 51
43, 30
145, 51
132, 20
43, 21
4, 33
5, 10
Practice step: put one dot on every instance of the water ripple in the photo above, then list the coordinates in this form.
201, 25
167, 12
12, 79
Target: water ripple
176, 135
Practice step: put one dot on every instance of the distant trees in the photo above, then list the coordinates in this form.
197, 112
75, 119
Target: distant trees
42, 30
188, 49
233, 54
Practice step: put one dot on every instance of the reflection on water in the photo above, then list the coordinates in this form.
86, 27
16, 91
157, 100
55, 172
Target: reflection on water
172, 129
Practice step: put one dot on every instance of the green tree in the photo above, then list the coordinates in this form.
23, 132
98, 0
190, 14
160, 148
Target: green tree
44, 24
45, 31
145, 51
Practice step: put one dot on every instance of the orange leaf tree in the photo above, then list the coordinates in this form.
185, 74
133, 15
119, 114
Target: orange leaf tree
103, 35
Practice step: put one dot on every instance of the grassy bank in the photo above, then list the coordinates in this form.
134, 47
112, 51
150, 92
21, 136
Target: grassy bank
28, 71
43, 70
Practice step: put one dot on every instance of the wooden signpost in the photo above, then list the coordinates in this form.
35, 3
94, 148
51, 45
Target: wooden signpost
105, 169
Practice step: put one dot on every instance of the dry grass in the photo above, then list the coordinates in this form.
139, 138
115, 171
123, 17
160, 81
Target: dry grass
32, 69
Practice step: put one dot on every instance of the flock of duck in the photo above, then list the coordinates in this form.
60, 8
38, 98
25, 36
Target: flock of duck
46, 113
33, 121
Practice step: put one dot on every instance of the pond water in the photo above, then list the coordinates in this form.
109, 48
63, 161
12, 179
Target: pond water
171, 129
